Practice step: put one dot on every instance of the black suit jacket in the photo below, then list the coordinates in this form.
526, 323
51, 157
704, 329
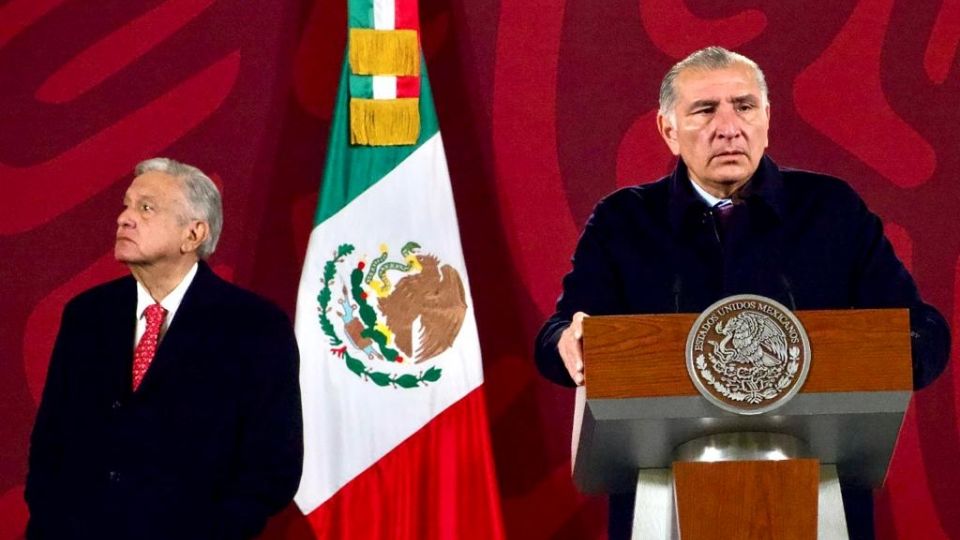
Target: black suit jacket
209, 446
804, 239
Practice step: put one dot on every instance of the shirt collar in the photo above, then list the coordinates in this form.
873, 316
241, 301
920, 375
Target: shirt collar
764, 187
172, 301
707, 198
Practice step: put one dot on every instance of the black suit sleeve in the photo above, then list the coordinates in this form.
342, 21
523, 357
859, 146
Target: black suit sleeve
882, 281
591, 286
44, 484
269, 456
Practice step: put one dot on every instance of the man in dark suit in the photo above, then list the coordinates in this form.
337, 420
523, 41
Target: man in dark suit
172, 402
727, 221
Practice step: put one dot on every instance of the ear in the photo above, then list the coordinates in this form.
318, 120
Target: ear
669, 133
766, 142
197, 233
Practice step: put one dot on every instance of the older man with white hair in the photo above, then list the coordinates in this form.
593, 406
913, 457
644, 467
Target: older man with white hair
727, 221
172, 402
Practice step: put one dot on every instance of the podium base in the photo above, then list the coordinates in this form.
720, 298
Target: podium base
655, 511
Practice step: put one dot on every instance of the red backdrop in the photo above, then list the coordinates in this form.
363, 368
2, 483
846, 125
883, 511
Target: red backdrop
545, 106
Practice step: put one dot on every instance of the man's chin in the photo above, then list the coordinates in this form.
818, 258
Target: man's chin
732, 175
122, 255
727, 185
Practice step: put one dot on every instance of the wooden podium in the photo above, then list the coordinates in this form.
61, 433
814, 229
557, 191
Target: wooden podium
703, 472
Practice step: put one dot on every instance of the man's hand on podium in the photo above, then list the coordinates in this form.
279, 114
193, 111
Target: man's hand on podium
570, 347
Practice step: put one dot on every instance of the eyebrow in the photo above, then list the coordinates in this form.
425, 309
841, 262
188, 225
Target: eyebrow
146, 197
703, 103
745, 98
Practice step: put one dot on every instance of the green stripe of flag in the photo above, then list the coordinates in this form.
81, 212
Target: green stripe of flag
350, 169
361, 86
359, 13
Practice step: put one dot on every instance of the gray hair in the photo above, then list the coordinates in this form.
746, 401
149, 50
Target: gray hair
201, 193
709, 59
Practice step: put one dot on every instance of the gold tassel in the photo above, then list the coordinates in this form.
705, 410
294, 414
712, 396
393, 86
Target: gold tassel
384, 122
384, 52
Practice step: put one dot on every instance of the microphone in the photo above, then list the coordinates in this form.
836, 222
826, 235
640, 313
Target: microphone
677, 287
710, 214
789, 290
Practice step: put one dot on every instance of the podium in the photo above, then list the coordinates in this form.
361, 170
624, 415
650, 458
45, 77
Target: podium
703, 472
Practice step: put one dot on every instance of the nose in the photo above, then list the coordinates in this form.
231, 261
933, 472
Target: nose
728, 123
125, 219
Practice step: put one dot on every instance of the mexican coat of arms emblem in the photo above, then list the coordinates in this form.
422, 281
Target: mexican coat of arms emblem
748, 354
390, 318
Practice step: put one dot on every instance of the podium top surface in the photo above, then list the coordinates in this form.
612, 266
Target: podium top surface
865, 350
639, 404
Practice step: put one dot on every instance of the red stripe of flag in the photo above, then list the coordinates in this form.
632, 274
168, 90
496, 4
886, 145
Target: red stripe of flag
408, 87
407, 15
440, 484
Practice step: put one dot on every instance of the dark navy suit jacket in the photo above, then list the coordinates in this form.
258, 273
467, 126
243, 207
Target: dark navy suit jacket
210, 444
804, 239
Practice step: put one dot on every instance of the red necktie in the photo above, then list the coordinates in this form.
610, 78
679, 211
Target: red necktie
143, 354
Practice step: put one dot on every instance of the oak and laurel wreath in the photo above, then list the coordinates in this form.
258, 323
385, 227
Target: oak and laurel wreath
753, 397
369, 318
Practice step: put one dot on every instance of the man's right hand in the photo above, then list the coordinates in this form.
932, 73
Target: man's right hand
570, 347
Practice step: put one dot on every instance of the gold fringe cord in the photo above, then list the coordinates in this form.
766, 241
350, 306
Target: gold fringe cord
384, 122
384, 52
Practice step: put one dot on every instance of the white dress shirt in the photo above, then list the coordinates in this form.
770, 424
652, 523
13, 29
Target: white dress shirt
170, 303
710, 199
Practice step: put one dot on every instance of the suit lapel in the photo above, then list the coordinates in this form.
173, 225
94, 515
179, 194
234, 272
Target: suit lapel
119, 323
178, 345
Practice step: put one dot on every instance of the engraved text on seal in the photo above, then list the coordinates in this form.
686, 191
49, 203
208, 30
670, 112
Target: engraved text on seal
748, 354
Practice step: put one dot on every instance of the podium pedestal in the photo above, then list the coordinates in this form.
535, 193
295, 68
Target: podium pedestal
655, 514
745, 486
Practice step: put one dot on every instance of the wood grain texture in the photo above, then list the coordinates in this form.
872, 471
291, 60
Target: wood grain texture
864, 350
747, 499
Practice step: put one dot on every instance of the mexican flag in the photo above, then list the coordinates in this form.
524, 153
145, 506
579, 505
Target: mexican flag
396, 436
